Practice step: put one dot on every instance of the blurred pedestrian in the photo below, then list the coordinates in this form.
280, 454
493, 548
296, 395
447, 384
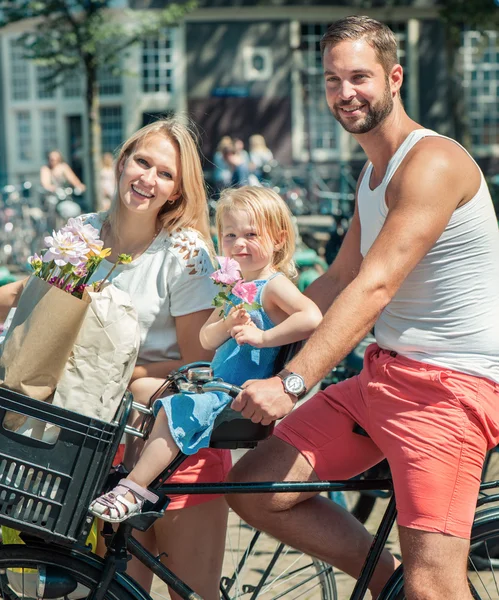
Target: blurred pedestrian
259, 154
58, 174
107, 181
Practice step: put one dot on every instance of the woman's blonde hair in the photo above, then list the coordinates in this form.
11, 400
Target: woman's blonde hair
271, 217
190, 209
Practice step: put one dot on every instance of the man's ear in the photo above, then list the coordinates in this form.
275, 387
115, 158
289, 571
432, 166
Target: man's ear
396, 78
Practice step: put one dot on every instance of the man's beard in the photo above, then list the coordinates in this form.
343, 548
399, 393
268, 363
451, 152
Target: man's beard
376, 114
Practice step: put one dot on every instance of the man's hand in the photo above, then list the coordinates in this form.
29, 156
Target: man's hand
264, 401
248, 334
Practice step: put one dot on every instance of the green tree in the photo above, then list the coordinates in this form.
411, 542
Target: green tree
458, 15
87, 35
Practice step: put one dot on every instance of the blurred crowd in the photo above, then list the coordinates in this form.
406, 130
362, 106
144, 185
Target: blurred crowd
235, 166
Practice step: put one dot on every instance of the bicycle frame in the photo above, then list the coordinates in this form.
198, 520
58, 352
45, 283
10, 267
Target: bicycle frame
123, 541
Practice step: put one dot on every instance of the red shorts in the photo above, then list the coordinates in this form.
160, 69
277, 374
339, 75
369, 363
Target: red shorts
206, 466
433, 425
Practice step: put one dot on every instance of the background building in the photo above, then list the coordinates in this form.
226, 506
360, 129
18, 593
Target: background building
244, 67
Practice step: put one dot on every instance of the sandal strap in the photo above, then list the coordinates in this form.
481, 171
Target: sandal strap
138, 490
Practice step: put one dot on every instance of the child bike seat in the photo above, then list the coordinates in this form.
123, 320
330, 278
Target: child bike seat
232, 430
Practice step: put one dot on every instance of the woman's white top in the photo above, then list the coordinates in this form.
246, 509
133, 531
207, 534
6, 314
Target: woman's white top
446, 312
170, 279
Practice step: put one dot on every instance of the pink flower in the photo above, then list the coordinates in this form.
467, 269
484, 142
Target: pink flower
246, 290
229, 271
64, 248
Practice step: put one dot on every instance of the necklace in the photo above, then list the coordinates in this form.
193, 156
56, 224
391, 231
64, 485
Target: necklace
140, 249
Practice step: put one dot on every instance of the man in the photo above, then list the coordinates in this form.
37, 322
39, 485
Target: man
420, 263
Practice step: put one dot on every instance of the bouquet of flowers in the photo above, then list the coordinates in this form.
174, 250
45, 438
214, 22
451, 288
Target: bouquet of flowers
71, 258
69, 332
229, 278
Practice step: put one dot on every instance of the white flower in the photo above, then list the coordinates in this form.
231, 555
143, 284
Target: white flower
64, 247
87, 233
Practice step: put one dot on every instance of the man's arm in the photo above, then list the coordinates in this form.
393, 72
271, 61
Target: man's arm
423, 198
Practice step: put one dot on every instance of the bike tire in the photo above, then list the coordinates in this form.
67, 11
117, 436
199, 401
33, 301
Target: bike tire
258, 566
483, 561
20, 567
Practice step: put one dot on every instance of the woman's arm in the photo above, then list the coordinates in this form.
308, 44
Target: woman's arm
300, 315
46, 179
72, 178
9, 297
188, 328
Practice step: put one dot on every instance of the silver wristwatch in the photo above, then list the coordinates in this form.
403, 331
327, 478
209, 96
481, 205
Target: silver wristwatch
293, 383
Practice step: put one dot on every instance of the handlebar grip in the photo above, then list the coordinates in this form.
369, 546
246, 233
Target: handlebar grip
221, 386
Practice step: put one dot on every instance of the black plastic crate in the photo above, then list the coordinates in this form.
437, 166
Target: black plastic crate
45, 489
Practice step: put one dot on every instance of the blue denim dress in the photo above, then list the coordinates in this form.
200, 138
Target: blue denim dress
191, 416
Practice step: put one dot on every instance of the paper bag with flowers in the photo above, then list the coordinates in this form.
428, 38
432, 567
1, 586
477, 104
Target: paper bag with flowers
65, 326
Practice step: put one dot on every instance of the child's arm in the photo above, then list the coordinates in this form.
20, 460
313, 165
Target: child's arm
300, 315
217, 330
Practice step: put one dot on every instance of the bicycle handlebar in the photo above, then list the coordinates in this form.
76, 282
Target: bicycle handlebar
222, 386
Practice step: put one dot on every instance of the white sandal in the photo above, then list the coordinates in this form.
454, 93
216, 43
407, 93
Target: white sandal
113, 507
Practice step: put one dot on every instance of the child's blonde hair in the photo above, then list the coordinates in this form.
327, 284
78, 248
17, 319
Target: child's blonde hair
271, 217
190, 209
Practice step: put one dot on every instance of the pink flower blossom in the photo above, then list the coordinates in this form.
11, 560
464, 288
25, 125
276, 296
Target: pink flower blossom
80, 270
56, 282
87, 233
229, 271
64, 248
245, 290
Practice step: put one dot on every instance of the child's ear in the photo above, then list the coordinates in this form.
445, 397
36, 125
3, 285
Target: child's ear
281, 238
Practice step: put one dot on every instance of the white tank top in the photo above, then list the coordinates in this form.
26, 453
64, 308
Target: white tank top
446, 312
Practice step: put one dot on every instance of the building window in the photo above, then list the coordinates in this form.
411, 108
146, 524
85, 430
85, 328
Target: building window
480, 53
73, 85
24, 137
157, 67
19, 72
49, 131
322, 132
109, 83
43, 90
111, 126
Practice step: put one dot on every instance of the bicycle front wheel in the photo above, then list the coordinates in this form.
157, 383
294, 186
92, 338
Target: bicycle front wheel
257, 566
39, 572
483, 561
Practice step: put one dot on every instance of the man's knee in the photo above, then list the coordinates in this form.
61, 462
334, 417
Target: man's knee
435, 565
273, 460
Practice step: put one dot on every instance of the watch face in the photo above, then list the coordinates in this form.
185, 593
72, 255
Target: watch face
295, 384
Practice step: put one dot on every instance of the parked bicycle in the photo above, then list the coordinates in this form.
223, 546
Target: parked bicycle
46, 488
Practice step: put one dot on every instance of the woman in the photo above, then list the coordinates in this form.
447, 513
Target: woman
58, 174
159, 217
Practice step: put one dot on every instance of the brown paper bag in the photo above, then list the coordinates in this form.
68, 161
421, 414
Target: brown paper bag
103, 357
39, 341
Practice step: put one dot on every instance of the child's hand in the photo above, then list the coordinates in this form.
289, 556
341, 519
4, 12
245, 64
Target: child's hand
248, 334
237, 316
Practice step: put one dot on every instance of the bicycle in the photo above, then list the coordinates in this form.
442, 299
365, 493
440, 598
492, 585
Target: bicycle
57, 564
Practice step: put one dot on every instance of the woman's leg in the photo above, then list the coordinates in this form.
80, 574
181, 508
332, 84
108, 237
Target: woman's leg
142, 390
135, 569
194, 540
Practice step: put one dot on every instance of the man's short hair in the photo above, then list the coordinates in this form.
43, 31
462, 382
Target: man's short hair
378, 35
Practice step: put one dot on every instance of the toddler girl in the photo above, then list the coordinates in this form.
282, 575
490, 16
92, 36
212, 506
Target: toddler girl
255, 229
